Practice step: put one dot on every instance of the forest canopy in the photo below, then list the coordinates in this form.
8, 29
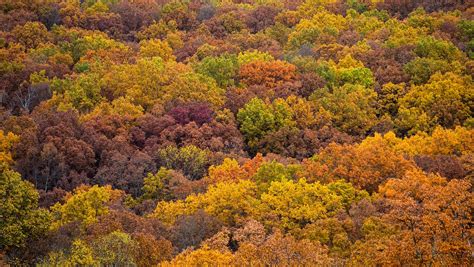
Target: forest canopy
236, 133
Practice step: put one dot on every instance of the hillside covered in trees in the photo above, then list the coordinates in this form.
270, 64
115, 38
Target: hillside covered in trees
236, 133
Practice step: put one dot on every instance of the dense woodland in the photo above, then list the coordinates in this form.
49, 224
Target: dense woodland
236, 133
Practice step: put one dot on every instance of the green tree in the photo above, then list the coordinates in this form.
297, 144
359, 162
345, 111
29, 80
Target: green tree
82, 93
222, 69
154, 185
191, 160
96, 42
446, 100
352, 71
437, 49
352, 107
309, 31
421, 69
251, 56
115, 249
273, 171
79, 254
21, 219
85, 205
257, 118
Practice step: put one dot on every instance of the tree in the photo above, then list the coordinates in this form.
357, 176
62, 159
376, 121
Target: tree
291, 205
97, 44
230, 203
253, 55
135, 15
199, 113
433, 216
300, 144
192, 230
22, 220
421, 69
352, 107
157, 30
80, 254
257, 119
121, 106
156, 48
226, 23
261, 17
229, 170
6, 143
267, 73
152, 81
201, 257
388, 97
82, 93
358, 164
31, 34
352, 71
194, 87
191, 160
332, 232
124, 169
150, 251
222, 69
279, 249
154, 185
437, 49
320, 27
123, 80
51, 152
454, 142
179, 13
246, 132
443, 101
84, 206
450, 167
115, 248
273, 171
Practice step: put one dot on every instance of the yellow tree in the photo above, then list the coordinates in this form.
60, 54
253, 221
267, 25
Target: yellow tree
84, 205
455, 142
322, 27
445, 100
290, 205
153, 81
229, 202
201, 257
156, 48
6, 143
